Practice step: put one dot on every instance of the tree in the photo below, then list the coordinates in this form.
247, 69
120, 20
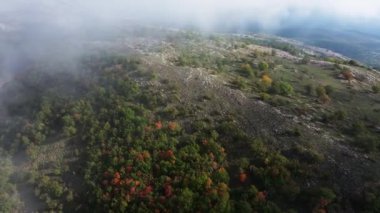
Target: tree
324, 99
69, 126
329, 89
310, 90
322, 95
348, 75
242, 177
186, 199
247, 70
8, 200
274, 52
266, 80
375, 89
282, 88
305, 59
353, 63
320, 90
263, 66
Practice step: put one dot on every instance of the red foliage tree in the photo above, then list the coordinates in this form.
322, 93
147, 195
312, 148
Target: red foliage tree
168, 190
158, 125
242, 177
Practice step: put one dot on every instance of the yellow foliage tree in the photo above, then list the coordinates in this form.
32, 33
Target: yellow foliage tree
266, 80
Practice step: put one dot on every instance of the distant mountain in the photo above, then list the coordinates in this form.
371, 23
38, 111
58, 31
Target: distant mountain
360, 44
360, 41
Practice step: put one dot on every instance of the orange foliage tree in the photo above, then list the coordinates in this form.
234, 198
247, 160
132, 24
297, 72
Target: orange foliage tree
348, 75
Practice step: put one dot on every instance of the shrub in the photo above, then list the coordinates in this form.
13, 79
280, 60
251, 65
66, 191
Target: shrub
322, 95
310, 90
324, 99
329, 89
240, 83
353, 63
308, 155
320, 90
376, 89
274, 52
279, 101
348, 75
263, 66
359, 128
265, 96
338, 115
296, 132
305, 60
367, 142
282, 88
247, 70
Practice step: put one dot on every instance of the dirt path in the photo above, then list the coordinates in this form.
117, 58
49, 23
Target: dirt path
24, 188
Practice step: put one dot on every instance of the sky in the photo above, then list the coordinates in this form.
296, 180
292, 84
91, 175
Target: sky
205, 13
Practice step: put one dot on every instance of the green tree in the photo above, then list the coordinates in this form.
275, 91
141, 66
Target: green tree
69, 128
310, 90
185, 199
263, 66
8, 200
320, 90
247, 70
376, 89
329, 89
305, 59
282, 88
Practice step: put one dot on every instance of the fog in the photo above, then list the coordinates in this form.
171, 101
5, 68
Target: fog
205, 14
32, 29
202, 13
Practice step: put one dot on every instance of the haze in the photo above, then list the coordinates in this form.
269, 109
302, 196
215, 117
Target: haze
269, 14
39, 24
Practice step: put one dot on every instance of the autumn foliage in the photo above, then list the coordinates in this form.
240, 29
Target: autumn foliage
173, 126
266, 80
158, 125
242, 177
324, 99
151, 169
261, 196
348, 75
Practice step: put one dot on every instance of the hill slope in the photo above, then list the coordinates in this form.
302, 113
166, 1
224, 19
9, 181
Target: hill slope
161, 120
